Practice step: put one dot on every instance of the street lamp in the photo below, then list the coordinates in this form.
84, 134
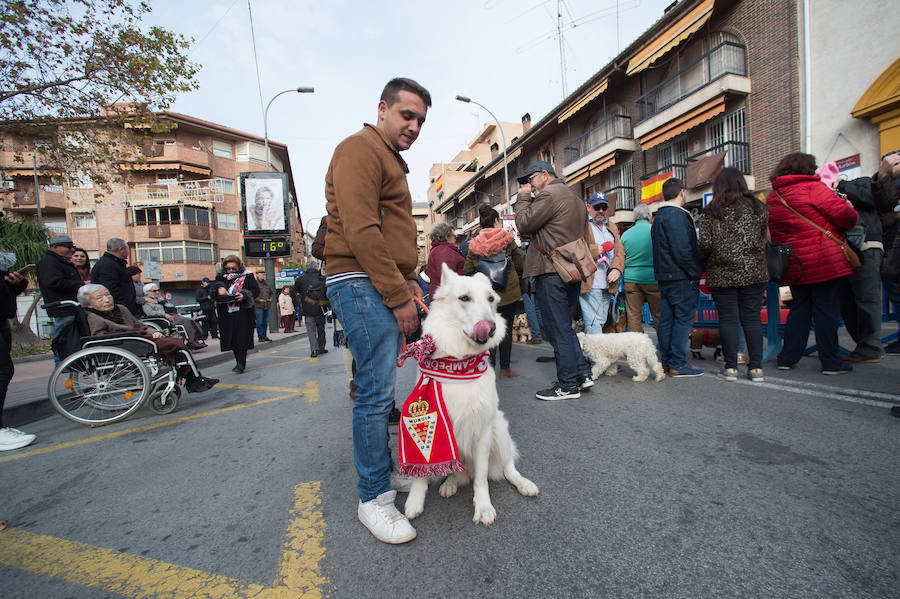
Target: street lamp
468, 100
299, 90
270, 262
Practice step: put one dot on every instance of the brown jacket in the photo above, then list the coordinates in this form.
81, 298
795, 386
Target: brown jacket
101, 326
370, 224
263, 301
554, 217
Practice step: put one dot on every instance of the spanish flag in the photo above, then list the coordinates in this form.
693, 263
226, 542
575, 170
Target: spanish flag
651, 189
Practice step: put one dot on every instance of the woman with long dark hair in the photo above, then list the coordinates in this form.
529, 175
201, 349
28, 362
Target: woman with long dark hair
82, 263
799, 197
491, 240
237, 317
732, 244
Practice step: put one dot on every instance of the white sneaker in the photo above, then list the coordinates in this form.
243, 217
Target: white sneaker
400, 483
384, 521
11, 438
586, 383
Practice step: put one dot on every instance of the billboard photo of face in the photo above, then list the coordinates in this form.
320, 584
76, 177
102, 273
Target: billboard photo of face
264, 204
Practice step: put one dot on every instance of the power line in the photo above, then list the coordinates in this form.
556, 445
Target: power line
256, 61
211, 29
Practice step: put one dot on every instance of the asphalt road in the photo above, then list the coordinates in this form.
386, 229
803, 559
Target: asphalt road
683, 488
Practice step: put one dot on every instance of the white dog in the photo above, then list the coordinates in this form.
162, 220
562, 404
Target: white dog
605, 351
463, 321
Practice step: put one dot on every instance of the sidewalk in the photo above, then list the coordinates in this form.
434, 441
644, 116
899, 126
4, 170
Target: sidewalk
26, 398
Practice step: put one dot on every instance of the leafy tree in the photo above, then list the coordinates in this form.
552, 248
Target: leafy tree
28, 241
65, 63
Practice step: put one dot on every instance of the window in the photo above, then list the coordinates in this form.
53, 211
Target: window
227, 221
225, 185
249, 151
222, 149
168, 252
729, 134
164, 141
621, 183
157, 216
198, 252
225, 252
55, 226
196, 216
84, 221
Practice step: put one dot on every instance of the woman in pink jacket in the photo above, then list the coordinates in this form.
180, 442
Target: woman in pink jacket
815, 278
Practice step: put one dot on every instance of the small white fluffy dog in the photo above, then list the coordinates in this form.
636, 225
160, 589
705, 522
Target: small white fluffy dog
463, 321
637, 348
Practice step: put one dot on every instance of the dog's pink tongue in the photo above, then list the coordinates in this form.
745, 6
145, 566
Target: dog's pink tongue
482, 330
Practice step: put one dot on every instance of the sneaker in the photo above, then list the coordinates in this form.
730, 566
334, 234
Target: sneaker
13, 438
756, 375
201, 384
586, 383
321, 351
785, 366
545, 359
684, 371
384, 521
400, 483
728, 374
862, 359
556, 392
844, 368
508, 373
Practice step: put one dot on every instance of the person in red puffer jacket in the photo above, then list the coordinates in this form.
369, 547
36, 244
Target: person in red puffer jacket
815, 278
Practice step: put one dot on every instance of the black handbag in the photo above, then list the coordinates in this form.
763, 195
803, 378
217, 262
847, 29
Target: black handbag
496, 268
778, 258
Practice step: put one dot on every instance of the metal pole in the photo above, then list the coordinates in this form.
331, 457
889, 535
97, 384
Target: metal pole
503, 137
37, 187
269, 261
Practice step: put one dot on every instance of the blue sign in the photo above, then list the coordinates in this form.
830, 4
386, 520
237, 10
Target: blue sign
291, 272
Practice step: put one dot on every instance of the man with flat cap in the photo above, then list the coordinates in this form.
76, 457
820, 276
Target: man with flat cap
58, 280
555, 216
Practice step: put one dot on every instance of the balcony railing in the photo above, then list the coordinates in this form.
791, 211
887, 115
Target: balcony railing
617, 125
203, 190
727, 57
624, 196
737, 154
678, 170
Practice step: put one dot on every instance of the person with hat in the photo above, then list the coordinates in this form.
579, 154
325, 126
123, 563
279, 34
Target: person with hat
595, 303
555, 216
209, 324
59, 280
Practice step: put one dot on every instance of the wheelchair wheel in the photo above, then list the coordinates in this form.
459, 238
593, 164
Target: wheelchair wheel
159, 406
99, 385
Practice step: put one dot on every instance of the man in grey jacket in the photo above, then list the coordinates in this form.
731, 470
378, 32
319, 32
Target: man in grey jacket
554, 216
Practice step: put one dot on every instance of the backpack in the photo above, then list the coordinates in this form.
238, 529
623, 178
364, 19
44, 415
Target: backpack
496, 268
315, 291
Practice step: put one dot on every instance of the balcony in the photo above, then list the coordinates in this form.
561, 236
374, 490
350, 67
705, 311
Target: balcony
679, 171
728, 58
158, 194
737, 154
615, 126
52, 198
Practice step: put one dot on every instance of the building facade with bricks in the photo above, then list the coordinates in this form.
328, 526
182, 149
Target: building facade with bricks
181, 206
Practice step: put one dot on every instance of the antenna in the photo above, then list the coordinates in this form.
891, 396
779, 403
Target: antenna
562, 49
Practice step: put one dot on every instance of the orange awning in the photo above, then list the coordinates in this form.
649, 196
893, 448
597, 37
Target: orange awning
597, 166
167, 166
688, 120
671, 37
583, 100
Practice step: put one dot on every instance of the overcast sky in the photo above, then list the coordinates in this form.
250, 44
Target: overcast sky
502, 53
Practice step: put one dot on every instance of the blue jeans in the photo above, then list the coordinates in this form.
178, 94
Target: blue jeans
374, 340
678, 307
594, 310
533, 314
262, 323
557, 303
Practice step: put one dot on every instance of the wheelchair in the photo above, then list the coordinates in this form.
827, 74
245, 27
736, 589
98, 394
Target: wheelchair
101, 379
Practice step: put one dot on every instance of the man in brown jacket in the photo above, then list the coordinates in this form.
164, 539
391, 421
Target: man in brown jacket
554, 216
371, 253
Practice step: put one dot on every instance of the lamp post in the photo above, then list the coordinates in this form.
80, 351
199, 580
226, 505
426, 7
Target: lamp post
468, 100
270, 262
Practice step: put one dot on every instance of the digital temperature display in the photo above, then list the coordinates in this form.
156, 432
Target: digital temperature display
262, 247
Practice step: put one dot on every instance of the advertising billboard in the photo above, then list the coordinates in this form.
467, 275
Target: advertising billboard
264, 204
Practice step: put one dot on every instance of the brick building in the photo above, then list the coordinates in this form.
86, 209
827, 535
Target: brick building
181, 206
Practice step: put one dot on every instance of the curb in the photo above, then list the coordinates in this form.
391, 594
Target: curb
40, 407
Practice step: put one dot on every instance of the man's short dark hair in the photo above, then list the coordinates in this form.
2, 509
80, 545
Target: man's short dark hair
672, 188
393, 88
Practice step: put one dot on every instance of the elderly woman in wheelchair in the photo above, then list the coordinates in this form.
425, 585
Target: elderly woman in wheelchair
104, 316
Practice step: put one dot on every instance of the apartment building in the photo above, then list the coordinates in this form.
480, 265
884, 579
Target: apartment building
181, 207
712, 83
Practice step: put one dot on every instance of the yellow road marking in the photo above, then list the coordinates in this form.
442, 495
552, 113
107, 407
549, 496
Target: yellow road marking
310, 391
299, 567
260, 388
252, 368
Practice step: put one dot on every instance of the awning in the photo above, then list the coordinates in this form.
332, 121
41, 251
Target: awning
22, 172
597, 166
166, 202
688, 120
167, 166
499, 165
671, 37
583, 100
881, 105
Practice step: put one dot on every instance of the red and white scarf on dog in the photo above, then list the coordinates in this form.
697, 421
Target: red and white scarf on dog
427, 444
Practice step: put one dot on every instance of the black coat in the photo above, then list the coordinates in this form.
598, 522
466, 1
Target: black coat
58, 280
112, 272
236, 328
8, 293
204, 299
308, 306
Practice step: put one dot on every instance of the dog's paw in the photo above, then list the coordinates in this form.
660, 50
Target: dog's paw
639, 378
413, 508
612, 370
485, 514
448, 488
527, 488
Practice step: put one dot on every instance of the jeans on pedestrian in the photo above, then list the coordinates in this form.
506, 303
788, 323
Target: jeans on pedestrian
678, 307
740, 304
557, 303
533, 314
262, 323
373, 337
59, 323
861, 304
594, 310
819, 302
